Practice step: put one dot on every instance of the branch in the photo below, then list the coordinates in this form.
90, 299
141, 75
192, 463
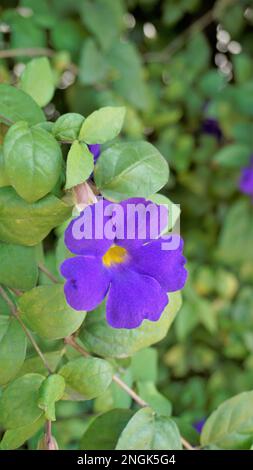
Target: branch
48, 274
28, 52
14, 312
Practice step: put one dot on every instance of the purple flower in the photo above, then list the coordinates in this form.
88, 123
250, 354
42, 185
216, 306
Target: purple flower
95, 149
199, 425
211, 126
135, 273
246, 180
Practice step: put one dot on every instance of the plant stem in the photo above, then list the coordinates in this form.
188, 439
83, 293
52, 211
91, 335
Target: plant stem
48, 274
14, 312
28, 52
71, 341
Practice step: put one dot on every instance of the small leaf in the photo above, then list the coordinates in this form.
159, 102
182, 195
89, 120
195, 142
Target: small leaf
233, 156
231, 425
18, 402
102, 125
12, 348
51, 391
67, 127
104, 431
80, 164
90, 377
147, 431
16, 105
46, 312
33, 160
125, 170
37, 80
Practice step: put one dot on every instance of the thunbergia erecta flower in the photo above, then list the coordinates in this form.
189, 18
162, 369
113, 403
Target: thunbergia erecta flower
95, 149
121, 258
246, 180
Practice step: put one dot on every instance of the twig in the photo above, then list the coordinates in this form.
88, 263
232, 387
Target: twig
199, 25
28, 52
48, 273
71, 341
14, 312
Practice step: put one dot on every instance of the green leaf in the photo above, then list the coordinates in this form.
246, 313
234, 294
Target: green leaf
236, 237
33, 160
18, 402
99, 338
14, 438
21, 274
46, 312
80, 164
28, 224
103, 125
139, 362
12, 348
4, 180
67, 127
51, 391
150, 394
173, 209
233, 156
37, 80
35, 364
104, 431
130, 170
103, 18
129, 82
231, 425
93, 67
147, 431
90, 376
16, 105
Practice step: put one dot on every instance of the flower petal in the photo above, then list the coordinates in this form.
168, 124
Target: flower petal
85, 234
87, 282
132, 298
166, 266
143, 221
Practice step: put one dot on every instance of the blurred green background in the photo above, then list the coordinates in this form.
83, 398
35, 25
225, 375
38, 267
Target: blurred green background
184, 71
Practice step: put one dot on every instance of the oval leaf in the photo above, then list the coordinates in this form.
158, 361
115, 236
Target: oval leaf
125, 170
18, 403
147, 431
37, 80
80, 164
23, 273
102, 125
90, 377
46, 312
32, 160
16, 105
67, 126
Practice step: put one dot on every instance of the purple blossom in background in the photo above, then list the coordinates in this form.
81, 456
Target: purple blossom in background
199, 425
95, 149
135, 274
211, 126
246, 180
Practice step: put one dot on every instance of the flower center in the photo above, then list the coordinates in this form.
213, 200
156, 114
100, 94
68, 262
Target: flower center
115, 255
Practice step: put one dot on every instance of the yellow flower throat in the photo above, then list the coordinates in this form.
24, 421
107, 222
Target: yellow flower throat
115, 255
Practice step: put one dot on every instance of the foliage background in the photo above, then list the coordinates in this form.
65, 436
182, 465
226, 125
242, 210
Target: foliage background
173, 64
